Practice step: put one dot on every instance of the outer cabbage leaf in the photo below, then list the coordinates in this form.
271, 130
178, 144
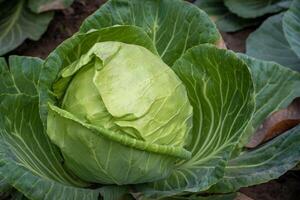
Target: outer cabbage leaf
173, 25
263, 164
39, 6
269, 43
28, 160
255, 8
18, 23
225, 20
291, 26
275, 88
220, 90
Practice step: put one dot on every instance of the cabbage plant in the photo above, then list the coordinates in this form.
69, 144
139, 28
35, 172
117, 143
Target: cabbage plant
235, 15
274, 40
121, 106
25, 19
139, 104
284, 31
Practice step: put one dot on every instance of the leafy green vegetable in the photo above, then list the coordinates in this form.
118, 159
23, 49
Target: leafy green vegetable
112, 81
110, 32
82, 43
118, 98
140, 104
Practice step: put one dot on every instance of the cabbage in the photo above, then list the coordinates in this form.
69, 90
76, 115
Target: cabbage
137, 100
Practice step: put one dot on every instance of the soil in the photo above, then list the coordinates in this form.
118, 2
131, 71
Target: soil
236, 41
68, 21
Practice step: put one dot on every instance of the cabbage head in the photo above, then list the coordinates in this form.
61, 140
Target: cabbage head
124, 116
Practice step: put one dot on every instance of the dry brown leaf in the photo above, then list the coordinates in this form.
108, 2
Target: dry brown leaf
276, 124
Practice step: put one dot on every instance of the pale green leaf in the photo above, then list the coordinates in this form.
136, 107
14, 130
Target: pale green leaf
18, 23
220, 90
269, 43
291, 26
173, 25
28, 160
255, 8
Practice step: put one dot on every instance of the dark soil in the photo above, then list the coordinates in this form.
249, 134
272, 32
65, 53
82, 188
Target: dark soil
236, 41
68, 21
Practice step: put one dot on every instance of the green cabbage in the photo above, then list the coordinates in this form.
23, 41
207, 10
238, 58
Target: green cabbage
140, 104
133, 94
